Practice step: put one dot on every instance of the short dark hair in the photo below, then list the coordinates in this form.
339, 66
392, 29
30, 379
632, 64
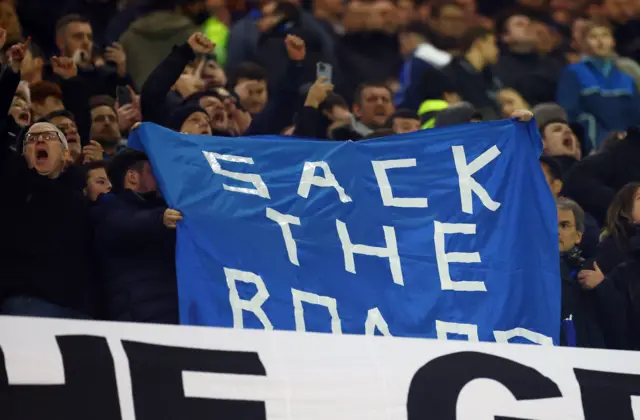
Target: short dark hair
404, 113
436, 9
90, 166
503, 19
41, 90
250, 71
54, 114
102, 100
357, 98
595, 23
120, 164
553, 166
472, 35
333, 99
66, 20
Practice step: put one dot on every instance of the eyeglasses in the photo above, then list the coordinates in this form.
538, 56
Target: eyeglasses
48, 136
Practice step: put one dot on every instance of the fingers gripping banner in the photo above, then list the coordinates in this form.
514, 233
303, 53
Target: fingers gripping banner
446, 233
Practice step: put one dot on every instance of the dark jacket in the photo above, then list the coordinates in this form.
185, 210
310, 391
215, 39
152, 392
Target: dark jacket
480, 88
626, 277
594, 318
594, 181
614, 250
533, 75
277, 114
244, 36
365, 57
45, 245
136, 257
96, 81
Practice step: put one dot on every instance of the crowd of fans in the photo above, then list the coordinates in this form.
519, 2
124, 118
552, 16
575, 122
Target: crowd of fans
87, 235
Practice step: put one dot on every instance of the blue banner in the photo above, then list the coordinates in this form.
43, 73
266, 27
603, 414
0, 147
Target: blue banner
447, 233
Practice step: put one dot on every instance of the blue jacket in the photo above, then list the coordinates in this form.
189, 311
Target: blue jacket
136, 255
421, 65
596, 94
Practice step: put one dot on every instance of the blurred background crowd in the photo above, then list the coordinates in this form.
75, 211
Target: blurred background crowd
87, 235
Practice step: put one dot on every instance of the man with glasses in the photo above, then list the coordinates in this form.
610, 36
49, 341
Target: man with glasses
593, 315
45, 251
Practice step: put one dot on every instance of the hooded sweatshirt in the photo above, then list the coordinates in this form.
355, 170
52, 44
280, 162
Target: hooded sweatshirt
150, 39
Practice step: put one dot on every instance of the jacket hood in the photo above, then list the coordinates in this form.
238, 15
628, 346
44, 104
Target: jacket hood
160, 24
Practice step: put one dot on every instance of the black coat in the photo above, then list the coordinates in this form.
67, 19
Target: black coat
480, 88
365, 57
595, 180
275, 117
626, 277
533, 75
136, 254
46, 235
612, 252
598, 315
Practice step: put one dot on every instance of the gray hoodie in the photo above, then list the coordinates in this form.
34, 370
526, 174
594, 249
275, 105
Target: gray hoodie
150, 39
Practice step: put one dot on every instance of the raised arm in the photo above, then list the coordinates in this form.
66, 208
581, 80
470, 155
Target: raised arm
283, 104
159, 83
9, 81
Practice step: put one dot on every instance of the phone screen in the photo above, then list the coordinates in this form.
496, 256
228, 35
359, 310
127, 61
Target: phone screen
123, 96
324, 70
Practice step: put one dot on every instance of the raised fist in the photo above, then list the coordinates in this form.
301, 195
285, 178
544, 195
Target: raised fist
295, 48
200, 44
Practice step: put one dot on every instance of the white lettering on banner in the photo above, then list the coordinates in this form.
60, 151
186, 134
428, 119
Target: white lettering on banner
309, 178
468, 185
390, 251
443, 258
534, 337
380, 168
375, 320
444, 328
328, 302
284, 220
254, 305
260, 188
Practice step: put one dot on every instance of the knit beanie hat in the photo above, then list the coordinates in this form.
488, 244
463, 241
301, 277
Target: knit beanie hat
180, 115
460, 113
23, 134
548, 113
194, 99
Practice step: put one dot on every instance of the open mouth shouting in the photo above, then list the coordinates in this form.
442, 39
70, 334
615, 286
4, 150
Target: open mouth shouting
567, 141
42, 154
72, 138
219, 119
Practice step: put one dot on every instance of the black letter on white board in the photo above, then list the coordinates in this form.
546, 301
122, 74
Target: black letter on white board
89, 391
607, 395
435, 387
158, 392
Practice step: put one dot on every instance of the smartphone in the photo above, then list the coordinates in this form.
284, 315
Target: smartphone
324, 70
123, 95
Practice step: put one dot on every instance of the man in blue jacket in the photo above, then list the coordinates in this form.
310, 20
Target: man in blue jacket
135, 244
595, 92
